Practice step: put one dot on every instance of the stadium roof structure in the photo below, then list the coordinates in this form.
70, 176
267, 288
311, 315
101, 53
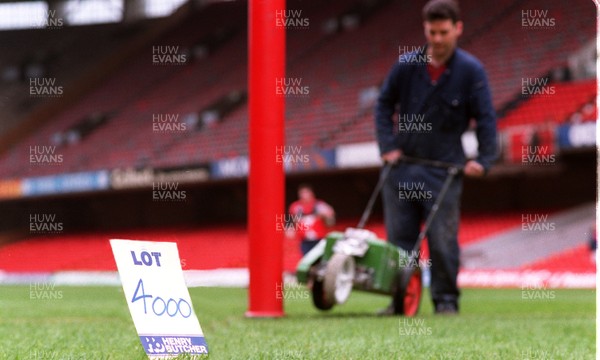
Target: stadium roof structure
28, 14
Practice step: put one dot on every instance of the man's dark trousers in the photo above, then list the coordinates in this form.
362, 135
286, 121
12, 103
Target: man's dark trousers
408, 196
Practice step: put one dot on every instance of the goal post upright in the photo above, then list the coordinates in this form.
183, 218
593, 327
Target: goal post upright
266, 177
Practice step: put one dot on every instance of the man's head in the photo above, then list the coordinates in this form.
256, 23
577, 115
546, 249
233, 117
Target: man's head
306, 193
442, 24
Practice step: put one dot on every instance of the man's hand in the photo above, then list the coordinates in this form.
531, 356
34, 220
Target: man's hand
392, 157
474, 169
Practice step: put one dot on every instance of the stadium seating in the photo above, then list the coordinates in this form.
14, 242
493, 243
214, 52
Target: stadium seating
552, 109
334, 72
578, 260
213, 247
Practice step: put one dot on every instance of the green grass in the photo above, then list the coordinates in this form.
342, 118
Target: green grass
93, 323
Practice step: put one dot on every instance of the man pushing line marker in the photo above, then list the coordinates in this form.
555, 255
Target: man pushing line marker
443, 87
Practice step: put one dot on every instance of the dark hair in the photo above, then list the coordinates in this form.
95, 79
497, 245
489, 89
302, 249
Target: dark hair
305, 186
441, 10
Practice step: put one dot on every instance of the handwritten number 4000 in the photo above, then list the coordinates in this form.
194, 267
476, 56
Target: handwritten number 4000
159, 306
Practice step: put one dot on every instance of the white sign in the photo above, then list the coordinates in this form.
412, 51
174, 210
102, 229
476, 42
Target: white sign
357, 155
158, 299
583, 134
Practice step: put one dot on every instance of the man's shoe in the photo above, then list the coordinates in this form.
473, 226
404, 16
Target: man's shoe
388, 311
446, 308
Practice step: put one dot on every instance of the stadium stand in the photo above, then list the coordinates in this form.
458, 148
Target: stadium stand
64, 54
543, 109
215, 247
139, 91
330, 115
576, 260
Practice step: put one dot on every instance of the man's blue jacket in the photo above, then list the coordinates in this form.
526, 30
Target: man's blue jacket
441, 111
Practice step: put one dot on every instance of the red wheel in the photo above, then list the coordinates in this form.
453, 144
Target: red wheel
412, 295
407, 297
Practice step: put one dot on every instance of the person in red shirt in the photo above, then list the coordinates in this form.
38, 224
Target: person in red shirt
309, 218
